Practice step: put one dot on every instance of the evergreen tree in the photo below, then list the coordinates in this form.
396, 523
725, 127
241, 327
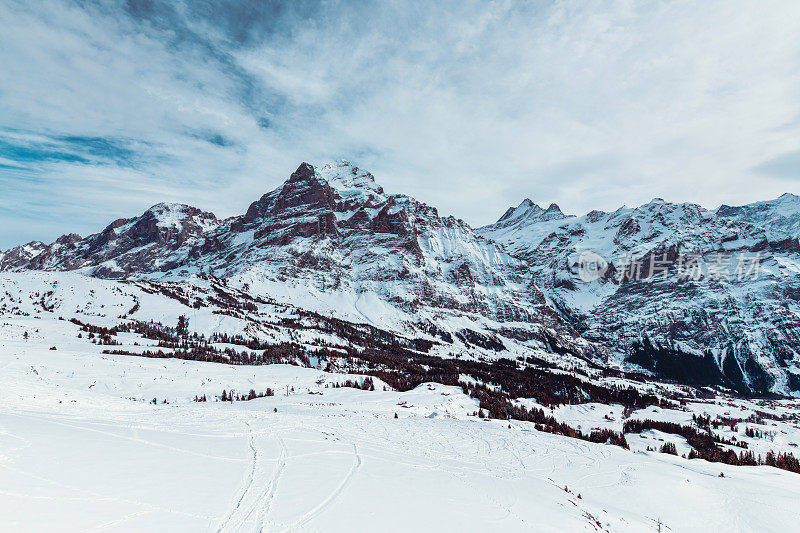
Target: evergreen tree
183, 327
669, 447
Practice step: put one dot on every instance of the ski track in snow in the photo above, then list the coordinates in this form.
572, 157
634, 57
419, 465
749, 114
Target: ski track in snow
252, 508
261, 502
265, 509
324, 504
231, 518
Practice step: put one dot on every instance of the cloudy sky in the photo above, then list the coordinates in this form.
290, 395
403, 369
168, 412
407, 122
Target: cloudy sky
109, 107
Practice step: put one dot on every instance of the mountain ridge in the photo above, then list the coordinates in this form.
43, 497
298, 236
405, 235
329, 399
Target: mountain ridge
733, 330
331, 240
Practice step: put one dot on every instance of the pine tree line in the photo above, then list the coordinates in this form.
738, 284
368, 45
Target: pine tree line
706, 445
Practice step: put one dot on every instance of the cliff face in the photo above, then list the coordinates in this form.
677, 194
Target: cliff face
688, 293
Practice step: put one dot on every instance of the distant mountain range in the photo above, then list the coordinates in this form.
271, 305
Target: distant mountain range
702, 297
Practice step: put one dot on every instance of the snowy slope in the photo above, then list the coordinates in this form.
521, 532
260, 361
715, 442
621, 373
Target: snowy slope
82, 448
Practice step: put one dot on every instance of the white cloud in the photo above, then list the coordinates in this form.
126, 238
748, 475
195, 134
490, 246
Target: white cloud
468, 106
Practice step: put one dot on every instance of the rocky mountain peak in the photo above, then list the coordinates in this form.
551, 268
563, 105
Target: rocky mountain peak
168, 215
644, 288
21, 254
780, 217
319, 191
527, 212
553, 212
347, 178
523, 210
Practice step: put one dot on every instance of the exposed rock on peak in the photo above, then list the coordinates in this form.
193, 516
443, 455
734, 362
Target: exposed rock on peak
779, 217
626, 277
553, 212
347, 178
20, 255
126, 245
524, 208
69, 239
528, 212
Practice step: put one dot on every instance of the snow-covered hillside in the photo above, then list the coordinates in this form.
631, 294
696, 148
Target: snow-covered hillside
92, 441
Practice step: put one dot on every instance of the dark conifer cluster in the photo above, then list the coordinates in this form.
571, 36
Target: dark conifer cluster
233, 396
366, 384
709, 446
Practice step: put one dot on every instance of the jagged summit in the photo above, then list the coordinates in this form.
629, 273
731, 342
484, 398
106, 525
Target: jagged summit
175, 215
527, 211
21, 254
346, 177
335, 186
340, 175
779, 217
163, 207
523, 209
553, 212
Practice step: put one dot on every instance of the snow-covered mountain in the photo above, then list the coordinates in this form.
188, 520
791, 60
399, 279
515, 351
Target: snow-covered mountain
331, 241
20, 255
780, 217
154, 241
527, 213
702, 297
681, 290
335, 339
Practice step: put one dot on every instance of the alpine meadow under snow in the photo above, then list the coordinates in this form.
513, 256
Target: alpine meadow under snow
338, 357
